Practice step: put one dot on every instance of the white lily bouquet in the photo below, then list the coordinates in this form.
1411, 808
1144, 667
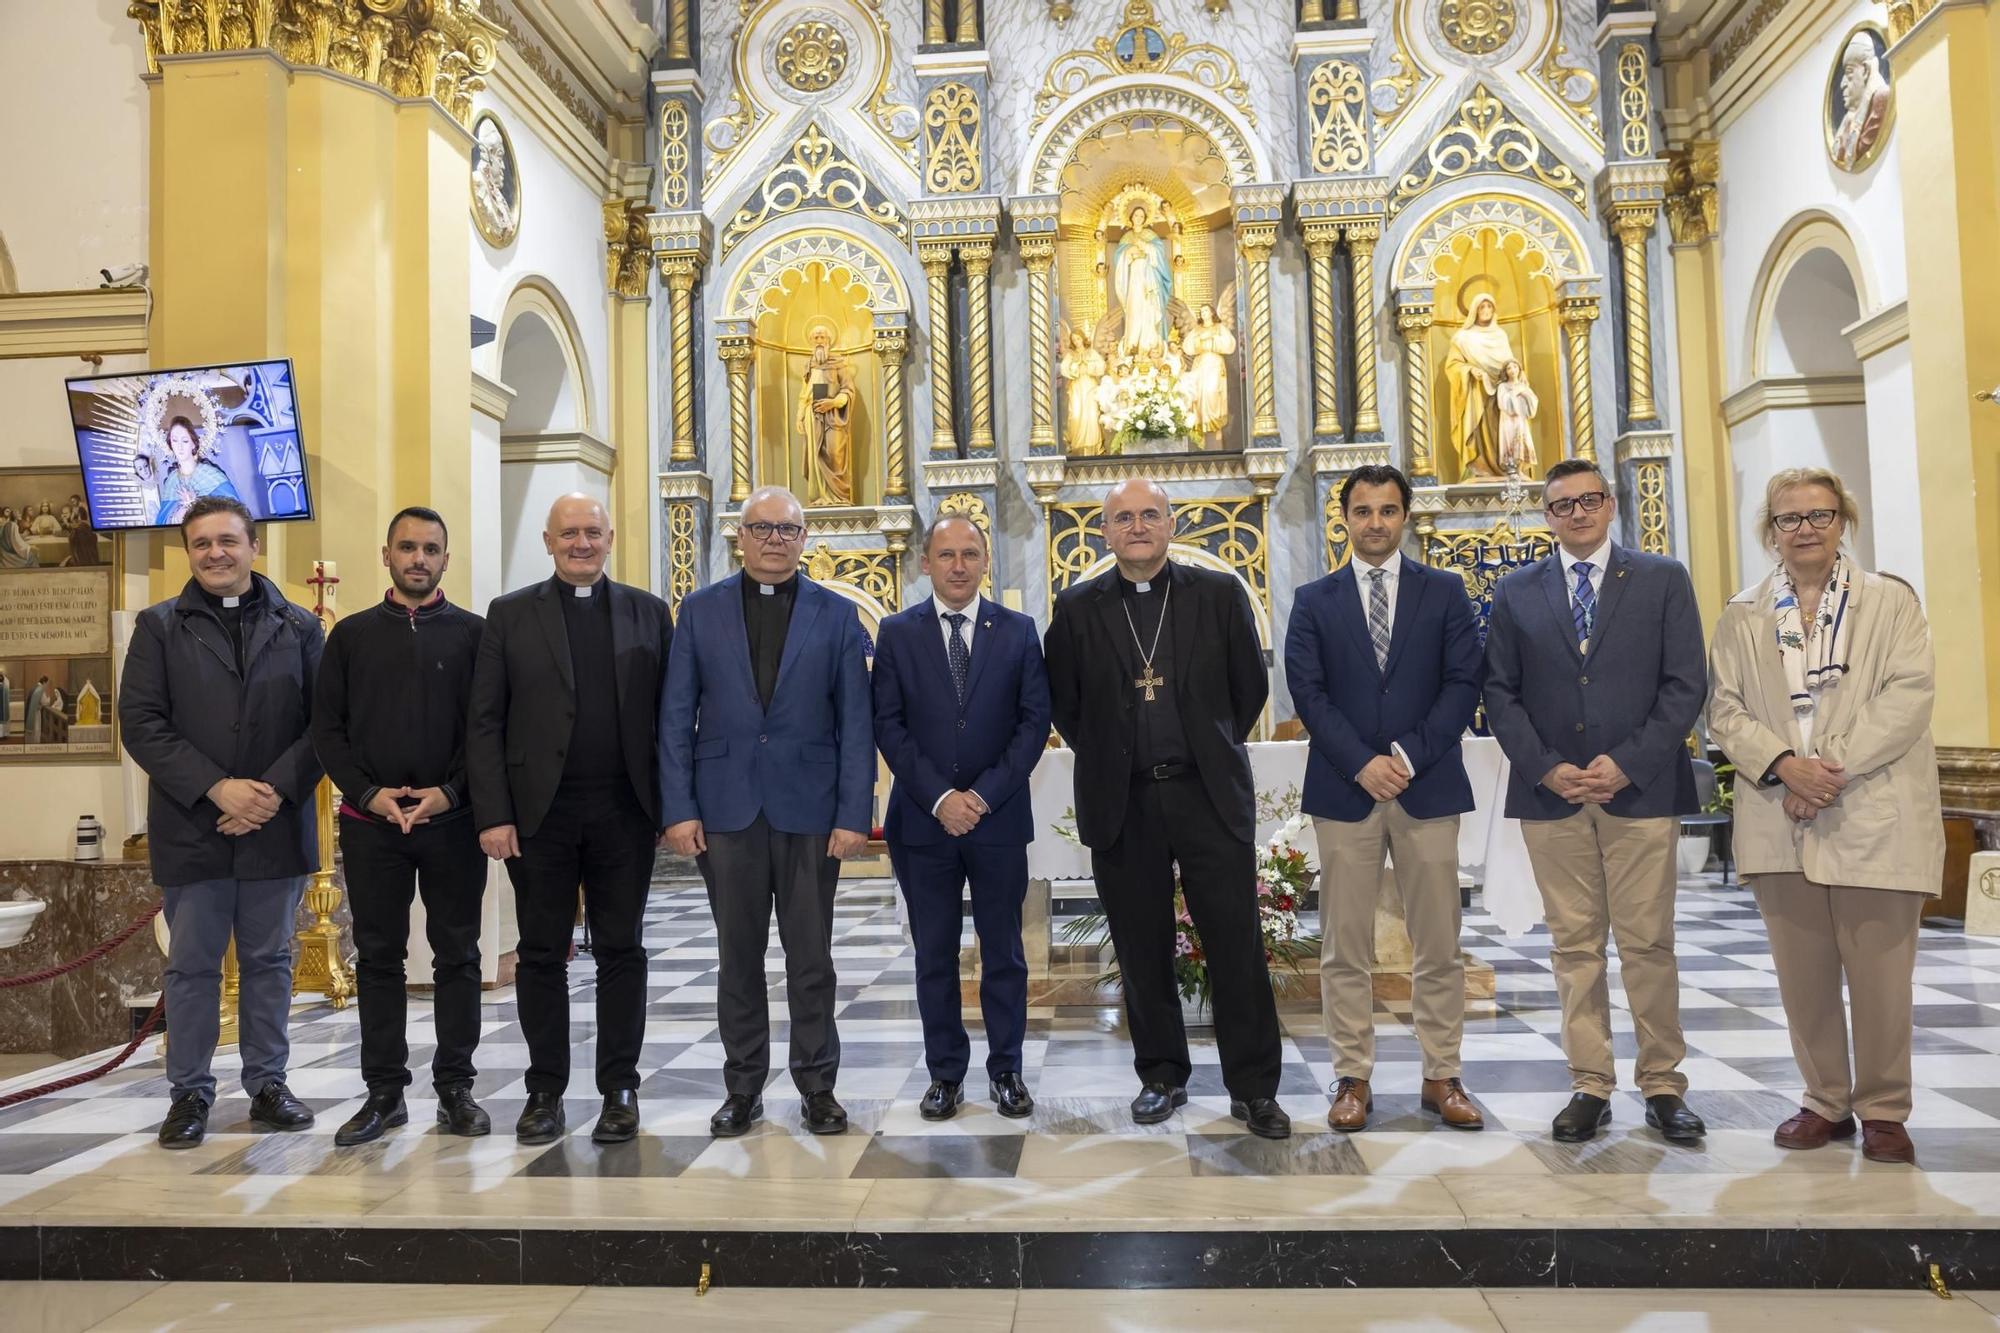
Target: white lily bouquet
1150, 403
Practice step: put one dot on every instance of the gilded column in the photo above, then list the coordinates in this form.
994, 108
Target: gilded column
1579, 313
968, 20
978, 259
891, 344
1256, 242
936, 260
678, 45
1347, 11
1361, 238
736, 350
1413, 321
1312, 11
1039, 255
934, 30
1635, 227
680, 273
1320, 238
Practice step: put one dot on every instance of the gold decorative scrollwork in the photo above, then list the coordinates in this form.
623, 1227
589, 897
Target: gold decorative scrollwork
682, 551
1338, 551
1477, 27
1486, 136
1574, 87
812, 56
1725, 52
675, 155
627, 258
816, 172
869, 570
1693, 208
1141, 46
951, 140
1230, 531
970, 507
1407, 75
1336, 111
1635, 102
441, 49
1483, 557
1651, 482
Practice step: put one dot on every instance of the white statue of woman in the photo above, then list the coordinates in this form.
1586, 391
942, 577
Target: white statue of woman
1143, 277
1479, 353
1082, 369
1517, 408
1210, 342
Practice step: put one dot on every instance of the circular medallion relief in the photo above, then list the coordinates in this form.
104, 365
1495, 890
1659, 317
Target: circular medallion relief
811, 55
1477, 27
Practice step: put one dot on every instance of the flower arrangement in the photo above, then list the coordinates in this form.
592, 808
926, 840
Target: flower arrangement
1286, 865
1150, 403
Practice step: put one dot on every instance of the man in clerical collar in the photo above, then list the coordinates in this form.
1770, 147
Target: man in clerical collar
1156, 677
565, 790
767, 770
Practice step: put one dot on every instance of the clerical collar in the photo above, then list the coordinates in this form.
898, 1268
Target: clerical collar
787, 586
1130, 587
220, 603
582, 589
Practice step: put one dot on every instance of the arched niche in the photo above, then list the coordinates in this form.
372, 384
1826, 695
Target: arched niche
541, 360
1162, 100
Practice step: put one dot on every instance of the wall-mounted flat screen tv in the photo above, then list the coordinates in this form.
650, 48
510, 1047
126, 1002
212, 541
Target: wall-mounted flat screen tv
153, 443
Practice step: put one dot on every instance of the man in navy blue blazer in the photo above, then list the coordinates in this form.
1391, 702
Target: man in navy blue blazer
1382, 658
962, 716
767, 770
1594, 676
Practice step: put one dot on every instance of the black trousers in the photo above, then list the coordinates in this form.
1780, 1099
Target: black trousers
934, 876
604, 842
385, 869
1169, 823
746, 872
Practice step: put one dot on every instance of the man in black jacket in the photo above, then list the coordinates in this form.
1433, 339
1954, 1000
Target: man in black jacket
389, 724
566, 790
214, 705
1156, 678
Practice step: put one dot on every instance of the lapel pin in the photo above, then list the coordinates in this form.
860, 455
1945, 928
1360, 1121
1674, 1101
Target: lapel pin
986, 624
1621, 573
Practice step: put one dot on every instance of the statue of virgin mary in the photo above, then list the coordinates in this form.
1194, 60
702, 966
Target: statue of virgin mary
1475, 367
1143, 276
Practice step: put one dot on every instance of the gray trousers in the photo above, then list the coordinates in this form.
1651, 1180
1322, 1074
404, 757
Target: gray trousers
746, 872
263, 916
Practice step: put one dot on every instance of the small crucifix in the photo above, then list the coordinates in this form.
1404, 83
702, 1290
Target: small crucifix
1149, 682
322, 583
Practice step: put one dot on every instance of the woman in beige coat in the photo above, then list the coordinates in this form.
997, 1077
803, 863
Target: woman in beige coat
1821, 693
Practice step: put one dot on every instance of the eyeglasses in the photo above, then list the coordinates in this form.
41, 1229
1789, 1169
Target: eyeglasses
1819, 518
1125, 518
786, 532
1592, 501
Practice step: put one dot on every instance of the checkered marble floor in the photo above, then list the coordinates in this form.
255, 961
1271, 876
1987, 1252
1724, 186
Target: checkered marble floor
88, 1153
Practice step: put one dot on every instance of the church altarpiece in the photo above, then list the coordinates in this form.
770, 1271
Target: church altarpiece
914, 271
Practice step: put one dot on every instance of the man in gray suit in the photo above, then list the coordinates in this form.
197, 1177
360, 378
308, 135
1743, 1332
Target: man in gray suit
1594, 675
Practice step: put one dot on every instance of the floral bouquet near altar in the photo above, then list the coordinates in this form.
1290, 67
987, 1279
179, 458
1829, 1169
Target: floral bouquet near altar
1147, 404
1286, 866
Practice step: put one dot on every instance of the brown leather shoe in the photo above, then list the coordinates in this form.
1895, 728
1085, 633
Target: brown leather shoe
1351, 1104
1810, 1129
1446, 1097
1887, 1141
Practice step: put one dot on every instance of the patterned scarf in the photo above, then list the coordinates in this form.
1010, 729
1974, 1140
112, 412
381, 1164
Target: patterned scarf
1818, 662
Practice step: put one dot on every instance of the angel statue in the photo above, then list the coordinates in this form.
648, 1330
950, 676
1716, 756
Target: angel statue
1142, 274
1082, 370
1209, 339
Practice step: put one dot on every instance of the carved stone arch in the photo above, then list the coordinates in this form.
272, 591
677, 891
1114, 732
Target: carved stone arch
539, 298
1544, 230
1809, 232
1166, 97
765, 265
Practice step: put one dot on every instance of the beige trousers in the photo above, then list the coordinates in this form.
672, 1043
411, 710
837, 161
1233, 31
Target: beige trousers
1602, 877
1350, 878
1818, 932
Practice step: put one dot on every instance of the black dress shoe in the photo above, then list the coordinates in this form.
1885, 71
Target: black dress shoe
187, 1122
734, 1117
542, 1119
1582, 1118
1010, 1096
618, 1122
823, 1114
383, 1110
1670, 1115
942, 1100
1156, 1102
459, 1114
276, 1108
1266, 1119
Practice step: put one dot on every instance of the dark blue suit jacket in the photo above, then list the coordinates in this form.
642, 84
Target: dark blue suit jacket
808, 764
1354, 710
933, 744
1634, 698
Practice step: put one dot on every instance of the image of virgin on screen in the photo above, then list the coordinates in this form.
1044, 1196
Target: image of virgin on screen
153, 443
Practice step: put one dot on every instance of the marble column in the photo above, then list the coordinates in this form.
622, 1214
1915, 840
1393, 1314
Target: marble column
977, 257
1579, 314
1320, 238
1414, 310
936, 259
1361, 238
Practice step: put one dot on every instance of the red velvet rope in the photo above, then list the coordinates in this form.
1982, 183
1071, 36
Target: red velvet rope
51, 973
76, 1080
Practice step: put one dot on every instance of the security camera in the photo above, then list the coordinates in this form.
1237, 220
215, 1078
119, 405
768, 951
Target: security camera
125, 275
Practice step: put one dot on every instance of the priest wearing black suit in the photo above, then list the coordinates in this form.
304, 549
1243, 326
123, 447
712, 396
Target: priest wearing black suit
1156, 677
565, 789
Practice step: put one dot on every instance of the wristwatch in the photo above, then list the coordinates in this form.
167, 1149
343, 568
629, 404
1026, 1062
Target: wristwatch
1771, 778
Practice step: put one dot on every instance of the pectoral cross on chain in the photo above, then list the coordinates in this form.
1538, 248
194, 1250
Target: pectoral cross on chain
1149, 679
1149, 682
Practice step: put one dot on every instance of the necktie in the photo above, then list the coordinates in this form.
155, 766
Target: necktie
1584, 606
1378, 614
955, 650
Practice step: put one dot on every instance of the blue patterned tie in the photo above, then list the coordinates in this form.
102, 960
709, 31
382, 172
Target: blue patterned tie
961, 659
1584, 606
1378, 615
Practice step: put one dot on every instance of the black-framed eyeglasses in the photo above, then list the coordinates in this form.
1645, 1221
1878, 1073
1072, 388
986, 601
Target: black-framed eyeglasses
1592, 501
763, 532
1819, 518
